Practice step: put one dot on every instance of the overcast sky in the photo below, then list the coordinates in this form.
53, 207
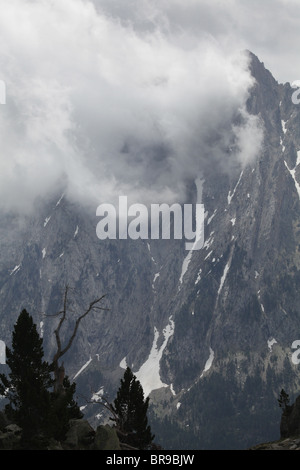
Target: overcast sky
131, 97
269, 28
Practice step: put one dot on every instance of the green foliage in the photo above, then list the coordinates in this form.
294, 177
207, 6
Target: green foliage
283, 399
27, 385
130, 407
62, 409
32, 405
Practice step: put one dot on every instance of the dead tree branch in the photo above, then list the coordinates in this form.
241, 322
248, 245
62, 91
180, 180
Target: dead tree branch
61, 351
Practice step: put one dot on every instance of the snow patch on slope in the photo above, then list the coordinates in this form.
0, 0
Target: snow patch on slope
154, 279
83, 367
97, 395
271, 342
293, 173
148, 374
225, 272
231, 194
209, 241
60, 199
15, 270
209, 361
211, 217
198, 276
283, 125
185, 265
282, 146
47, 220
123, 363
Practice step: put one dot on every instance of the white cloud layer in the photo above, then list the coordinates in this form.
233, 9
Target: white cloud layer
105, 100
269, 28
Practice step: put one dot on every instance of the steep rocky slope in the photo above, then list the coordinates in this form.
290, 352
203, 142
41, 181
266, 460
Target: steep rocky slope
209, 333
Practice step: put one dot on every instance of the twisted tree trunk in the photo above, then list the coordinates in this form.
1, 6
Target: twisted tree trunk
59, 371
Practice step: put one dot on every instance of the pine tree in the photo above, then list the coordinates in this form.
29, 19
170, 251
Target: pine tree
130, 409
63, 408
41, 412
27, 385
283, 400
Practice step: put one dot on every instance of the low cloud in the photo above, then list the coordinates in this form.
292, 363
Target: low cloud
101, 104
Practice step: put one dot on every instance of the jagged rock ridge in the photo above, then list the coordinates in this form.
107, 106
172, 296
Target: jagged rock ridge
210, 339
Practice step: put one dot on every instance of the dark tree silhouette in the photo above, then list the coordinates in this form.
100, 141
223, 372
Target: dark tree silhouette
27, 385
41, 412
130, 413
283, 400
61, 350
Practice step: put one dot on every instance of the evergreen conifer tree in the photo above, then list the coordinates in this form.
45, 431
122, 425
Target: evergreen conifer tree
39, 411
283, 400
27, 384
130, 408
63, 408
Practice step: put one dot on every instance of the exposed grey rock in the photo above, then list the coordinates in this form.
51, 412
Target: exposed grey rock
80, 434
10, 437
232, 317
285, 444
13, 428
106, 439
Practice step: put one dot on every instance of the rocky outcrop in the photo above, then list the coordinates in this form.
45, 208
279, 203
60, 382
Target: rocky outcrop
80, 436
10, 437
282, 444
106, 439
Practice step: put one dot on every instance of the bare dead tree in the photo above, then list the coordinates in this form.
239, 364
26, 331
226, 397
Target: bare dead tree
59, 369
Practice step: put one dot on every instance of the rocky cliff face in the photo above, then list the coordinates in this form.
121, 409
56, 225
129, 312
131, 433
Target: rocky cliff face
209, 333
